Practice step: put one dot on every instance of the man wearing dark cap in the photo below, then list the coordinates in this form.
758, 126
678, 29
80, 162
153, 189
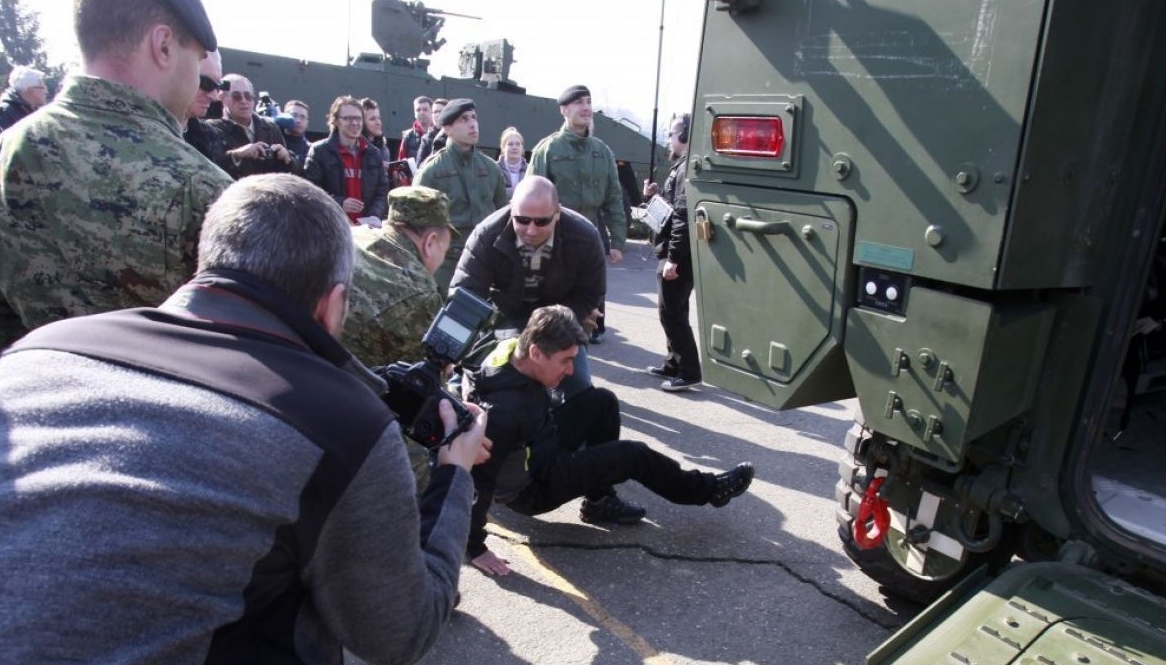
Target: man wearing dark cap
584, 172
473, 182
101, 200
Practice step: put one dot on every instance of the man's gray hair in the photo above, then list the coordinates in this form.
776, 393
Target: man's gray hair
552, 329
282, 229
22, 78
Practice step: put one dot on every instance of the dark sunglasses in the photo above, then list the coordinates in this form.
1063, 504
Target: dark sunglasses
241, 94
206, 84
540, 222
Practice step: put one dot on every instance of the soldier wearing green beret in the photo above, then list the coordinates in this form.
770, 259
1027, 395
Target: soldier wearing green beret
101, 199
474, 183
584, 172
583, 169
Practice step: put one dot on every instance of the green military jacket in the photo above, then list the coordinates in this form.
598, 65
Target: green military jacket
101, 205
393, 298
473, 182
475, 186
584, 172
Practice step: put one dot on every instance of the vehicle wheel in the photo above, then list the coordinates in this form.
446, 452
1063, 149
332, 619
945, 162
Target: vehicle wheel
938, 573
878, 565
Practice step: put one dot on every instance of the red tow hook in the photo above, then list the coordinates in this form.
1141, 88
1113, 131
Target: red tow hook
872, 509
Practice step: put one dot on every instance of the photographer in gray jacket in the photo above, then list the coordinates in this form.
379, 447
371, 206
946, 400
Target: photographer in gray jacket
217, 479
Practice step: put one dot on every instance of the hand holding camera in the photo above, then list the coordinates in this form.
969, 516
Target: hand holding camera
470, 447
415, 390
257, 150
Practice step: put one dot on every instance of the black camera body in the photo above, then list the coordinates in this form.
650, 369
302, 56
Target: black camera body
266, 106
415, 389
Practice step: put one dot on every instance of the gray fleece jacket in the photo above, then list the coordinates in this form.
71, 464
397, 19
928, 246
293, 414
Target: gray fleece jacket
145, 519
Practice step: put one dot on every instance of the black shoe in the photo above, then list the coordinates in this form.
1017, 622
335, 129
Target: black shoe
597, 337
610, 509
731, 484
666, 372
678, 384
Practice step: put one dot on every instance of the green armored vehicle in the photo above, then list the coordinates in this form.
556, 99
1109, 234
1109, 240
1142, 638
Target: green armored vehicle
406, 32
953, 211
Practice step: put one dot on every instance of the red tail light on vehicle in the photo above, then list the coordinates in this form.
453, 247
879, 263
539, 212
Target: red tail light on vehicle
748, 136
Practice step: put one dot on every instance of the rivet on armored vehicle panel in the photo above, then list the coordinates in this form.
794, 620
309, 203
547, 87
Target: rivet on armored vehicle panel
841, 165
933, 235
967, 178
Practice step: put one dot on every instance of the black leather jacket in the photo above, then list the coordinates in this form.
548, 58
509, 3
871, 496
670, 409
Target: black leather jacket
491, 268
266, 131
672, 242
12, 108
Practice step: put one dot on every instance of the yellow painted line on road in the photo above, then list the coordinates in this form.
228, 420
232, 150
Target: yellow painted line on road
622, 631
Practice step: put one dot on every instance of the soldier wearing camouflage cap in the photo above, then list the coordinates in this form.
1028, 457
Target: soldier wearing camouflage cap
393, 297
101, 200
474, 183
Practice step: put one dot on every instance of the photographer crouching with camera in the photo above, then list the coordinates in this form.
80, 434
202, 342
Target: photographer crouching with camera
394, 297
230, 465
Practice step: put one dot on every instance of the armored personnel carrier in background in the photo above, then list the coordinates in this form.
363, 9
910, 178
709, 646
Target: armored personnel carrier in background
407, 31
954, 212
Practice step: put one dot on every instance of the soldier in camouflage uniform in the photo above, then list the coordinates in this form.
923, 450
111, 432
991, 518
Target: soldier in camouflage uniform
585, 175
101, 200
473, 182
393, 297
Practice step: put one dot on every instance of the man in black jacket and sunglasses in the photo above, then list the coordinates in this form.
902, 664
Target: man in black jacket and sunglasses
198, 132
533, 253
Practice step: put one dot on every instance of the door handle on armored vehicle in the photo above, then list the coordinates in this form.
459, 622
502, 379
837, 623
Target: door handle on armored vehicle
757, 226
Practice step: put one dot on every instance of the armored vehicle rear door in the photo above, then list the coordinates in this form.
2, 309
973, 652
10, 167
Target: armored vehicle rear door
772, 269
843, 156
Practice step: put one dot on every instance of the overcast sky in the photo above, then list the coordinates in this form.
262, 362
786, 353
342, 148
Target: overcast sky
608, 45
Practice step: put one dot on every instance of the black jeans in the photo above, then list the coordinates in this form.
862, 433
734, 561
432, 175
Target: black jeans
588, 464
672, 305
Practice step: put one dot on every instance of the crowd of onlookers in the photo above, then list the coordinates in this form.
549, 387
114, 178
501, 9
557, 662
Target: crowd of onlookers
200, 464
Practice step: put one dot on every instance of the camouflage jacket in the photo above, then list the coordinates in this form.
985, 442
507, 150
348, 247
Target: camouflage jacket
472, 181
583, 170
393, 298
101, 204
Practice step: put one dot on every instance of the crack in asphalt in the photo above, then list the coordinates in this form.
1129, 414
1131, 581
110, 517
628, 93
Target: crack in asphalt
880, 621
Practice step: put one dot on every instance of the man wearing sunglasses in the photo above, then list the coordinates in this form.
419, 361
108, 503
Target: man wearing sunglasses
254, 143
198, 132
101, 201
534, 253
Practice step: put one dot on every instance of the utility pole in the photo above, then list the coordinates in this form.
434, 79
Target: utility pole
656, 97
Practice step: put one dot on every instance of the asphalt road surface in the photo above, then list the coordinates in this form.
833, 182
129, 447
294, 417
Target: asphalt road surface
762, 580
